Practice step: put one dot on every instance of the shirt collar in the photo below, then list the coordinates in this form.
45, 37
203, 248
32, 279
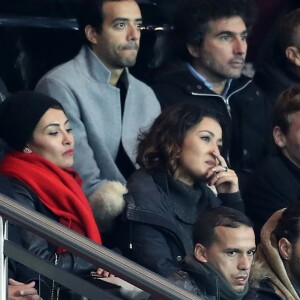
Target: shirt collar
206, 82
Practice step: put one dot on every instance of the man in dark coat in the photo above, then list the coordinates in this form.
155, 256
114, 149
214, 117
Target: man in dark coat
276, 182
280, 67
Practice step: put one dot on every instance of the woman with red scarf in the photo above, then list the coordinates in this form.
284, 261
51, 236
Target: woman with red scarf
38, 132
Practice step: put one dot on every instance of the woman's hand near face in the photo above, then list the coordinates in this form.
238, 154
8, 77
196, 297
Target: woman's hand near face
225, 180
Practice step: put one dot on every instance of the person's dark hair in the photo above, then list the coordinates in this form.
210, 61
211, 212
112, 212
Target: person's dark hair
160, 146
204, 228
193, 16
288, 225
20, 114
288, 33
286, 105
90, 12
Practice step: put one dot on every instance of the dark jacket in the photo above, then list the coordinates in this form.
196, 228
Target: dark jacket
204, 280
273, 77
266, 291
244, 114
159, 238
41, 247
274, 185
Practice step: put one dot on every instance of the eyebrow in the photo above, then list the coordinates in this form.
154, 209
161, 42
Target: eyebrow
239, 250
127, 19
55, 124
233, 250
232, 33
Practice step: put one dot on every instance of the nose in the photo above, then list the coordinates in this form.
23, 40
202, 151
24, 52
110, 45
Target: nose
134, 32
244, 262
240, 46
68, 138
215, 148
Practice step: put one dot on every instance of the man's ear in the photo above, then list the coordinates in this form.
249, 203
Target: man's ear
200, 253
193, 50
285, 248
91, 34
279, 137
293, 55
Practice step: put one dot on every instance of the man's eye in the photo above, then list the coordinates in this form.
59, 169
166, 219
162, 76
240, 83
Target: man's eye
231, 253
120, 25
53, 133
251, 252
244, 37
224, 37
139, 25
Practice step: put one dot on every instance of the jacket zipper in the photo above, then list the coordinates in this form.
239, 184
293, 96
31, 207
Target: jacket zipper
225, 100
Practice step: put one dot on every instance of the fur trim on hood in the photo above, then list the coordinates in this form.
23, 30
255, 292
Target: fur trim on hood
107, 203
268, 263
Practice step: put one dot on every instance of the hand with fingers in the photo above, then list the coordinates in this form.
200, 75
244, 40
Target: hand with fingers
224, 179
102, 273
18, 290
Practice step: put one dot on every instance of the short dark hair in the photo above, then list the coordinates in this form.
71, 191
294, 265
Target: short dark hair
288, 225
287, 104
193, 16
288, 32
159, 147
90, 12
204, 228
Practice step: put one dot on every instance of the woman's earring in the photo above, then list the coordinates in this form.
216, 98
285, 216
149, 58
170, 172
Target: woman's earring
27, 150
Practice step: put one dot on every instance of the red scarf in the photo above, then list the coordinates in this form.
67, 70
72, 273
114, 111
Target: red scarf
58, 189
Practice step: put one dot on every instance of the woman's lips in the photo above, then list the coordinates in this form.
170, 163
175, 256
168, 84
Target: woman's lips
69, 152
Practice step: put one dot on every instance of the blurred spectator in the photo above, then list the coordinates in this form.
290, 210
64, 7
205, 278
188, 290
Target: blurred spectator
281, 67
179, 156
276, 182
106, 105
269, 11
3, 94
3, 90
224, 245
211, 40
276, 270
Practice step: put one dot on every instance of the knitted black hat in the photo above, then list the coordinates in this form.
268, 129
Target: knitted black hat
19, 115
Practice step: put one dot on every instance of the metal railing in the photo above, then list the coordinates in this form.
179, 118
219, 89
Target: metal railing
98, 255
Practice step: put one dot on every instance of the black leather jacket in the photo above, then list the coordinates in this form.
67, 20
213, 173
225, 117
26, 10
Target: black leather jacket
41, 247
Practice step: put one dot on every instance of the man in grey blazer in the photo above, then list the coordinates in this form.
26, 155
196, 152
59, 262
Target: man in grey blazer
106, 105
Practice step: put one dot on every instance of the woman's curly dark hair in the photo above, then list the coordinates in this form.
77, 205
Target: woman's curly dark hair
159, 148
